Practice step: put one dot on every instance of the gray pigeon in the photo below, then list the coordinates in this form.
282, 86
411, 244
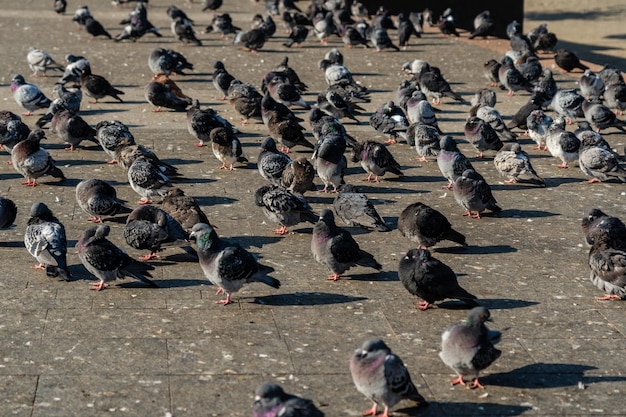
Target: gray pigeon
599, 163
381, 40
200, 122
591, 85
73, 69
473, 193
149, 227
511, 78
329, 160
106, 261
336, 248
97, 87
298, 176
600, 116
283, 207
28, 96
183, 208
434, 86
32, 161
484, 97
390, 120
430, 279
284, 128
538, 124
607, 265
13, 132
125, 155
426, 139
419, 110
8, 212
468, 348
147, 180
284, 92
451, 161
227, 148
161, 95
481, 136
68, 99
615, 96
45, 240
567, 103
111, 135
355, 209
492, 116
72, 129
271, 400
381, 376
375, 159
514, 164
98, 198
271, 163
611, 226
426, 226
562, 144
168, 61
546, 86
226, 265
41, 61
221, 79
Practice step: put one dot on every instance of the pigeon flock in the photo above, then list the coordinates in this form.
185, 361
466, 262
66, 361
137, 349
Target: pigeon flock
348, 141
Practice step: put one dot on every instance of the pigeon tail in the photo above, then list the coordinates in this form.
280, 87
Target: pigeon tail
456, 237
266, 279
367, 259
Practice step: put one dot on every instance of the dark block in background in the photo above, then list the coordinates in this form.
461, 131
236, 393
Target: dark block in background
503, 12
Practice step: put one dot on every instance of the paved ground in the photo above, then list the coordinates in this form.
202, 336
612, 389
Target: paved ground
130, 350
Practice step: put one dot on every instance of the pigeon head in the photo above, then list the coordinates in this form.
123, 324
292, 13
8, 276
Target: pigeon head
269, 144
221, 136
260, 192
36, 135
472, 175
370, 347
219, 65
478, 316
175, 192
267, 393
315, 114
41, 211
327, 217
447, 143
17, 80
204, 235
268, 102
511, 147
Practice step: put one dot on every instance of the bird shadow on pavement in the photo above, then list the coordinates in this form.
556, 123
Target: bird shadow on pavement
548, 375
248, 242
517, 213
177, 161
15, 244
504, 303
306, 299
465, 409
476, 250
381, 276
94, 112
170, 283
206, 201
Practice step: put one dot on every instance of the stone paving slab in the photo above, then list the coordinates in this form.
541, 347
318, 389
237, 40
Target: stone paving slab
137, 351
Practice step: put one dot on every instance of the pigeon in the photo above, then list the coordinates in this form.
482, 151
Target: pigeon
329, 160
271, 400
513, 28
60, 6
336, 248
426, 226
6, 118
221, 79
73, 69
137, 25
298, 176
111, 135
211, 5
336, 74
95, 28
493, 117
417, 19
351, 37
562, 144
161, 95
174, 88
68, 99
435, 86
591, 86
355, 209
481, 136
382, 377
546, 86
484, 25
567, 103
183, 208
223, 24
607, 265
285, 92
271, 163
468, 347
28, 96
149, 227
323, 124
174, 12
530, 68
390, 120
41, 61
536, 102
491, 70
32, 161
72, 129
97, 87
45, 240
375, 159
14, 132
598, 223
125, 155
426, 139
227, 265
8, 212
419, 110
147, 180
252, 40
200, 122
521, 44
298, 35
268, 27
514, 164
511, 78
584, 131
98, 198
323, 26
447, 25
405, 30
283, 207
473, 193
600, 116
332, 103
615, 96
598, 163
245, 99
611, 75
451, 161
287, 131
226, 147
415, 67
381, 40
537, 125
283, 69
568, 60
430, 279
168, 62
183, 30
106, 261
484, 97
